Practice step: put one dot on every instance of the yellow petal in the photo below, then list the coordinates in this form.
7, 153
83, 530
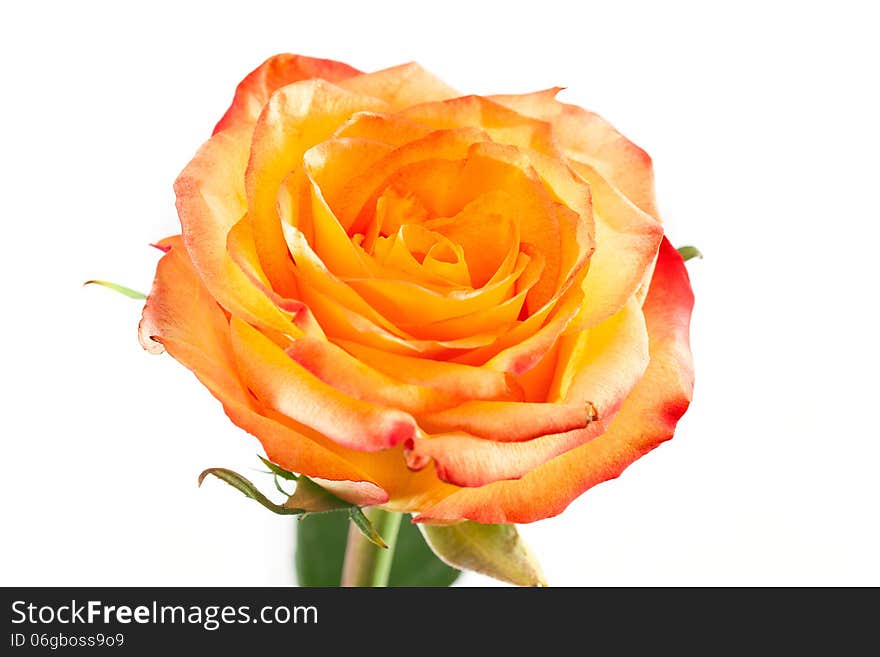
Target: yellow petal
296, 118
627, 240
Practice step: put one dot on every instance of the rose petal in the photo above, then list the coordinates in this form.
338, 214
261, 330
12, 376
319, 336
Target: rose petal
523, 346
574, 213
444, 187
314, 278
490, 167
488, 231
343, 324
627, 240
210, 200
647, 418
398, 299
391, 129
295, 118
337, 368
535, 148
471, 462
254, 91
181, 315
606, 363
622, 182
463, 381
355, 204
423, 256
240, 246
587, 137
394, 210
401, 86
329, 240
503, 124
495, 320
332, 163
343, 313
506, 422
282, 384
359, 493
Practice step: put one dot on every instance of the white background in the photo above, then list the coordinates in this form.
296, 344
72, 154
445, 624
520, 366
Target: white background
762, 120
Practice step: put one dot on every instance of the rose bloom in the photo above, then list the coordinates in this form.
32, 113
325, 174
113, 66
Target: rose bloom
460, 307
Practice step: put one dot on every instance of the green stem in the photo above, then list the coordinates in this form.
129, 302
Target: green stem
366, 564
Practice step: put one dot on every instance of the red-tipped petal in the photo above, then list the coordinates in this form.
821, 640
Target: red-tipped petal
254, 91
646, 419
284, 385
182, 316
603, 365
361, 493
507, 422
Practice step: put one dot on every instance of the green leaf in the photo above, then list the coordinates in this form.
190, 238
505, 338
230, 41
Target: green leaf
277, 469
127, 291
320, 551
310, 497
493, 550
240, 483
688, 252
363, 523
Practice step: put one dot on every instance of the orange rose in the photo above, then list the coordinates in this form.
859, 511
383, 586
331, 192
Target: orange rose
453, 306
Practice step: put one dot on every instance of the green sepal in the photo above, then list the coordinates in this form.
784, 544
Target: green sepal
127, 291
688, 252
363, 523
277, 469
